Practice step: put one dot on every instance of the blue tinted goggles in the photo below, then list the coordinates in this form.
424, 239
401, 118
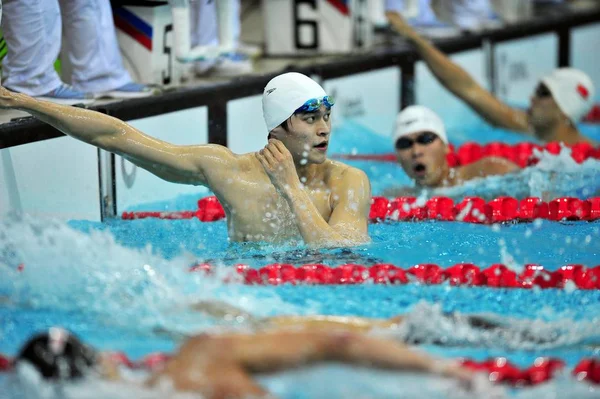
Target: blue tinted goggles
314, 104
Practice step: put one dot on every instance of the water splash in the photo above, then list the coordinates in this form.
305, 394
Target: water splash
68, 270
427, 323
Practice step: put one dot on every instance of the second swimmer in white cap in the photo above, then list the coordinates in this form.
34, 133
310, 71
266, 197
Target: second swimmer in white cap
421, 144
561, 100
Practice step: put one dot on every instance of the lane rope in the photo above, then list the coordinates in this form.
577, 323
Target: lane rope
470, 210
462, 274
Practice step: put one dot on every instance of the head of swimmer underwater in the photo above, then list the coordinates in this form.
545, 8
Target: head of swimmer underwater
58, 355
297, 112
421, 145
560, 101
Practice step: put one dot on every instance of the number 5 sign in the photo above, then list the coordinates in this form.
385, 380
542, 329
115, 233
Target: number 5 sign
316, 26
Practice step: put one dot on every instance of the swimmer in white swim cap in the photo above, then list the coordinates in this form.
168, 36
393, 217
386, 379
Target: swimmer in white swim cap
223, 365
421, 144
287, 192
562, 98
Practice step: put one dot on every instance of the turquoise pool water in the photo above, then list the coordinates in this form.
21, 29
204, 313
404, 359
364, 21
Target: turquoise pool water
121, 284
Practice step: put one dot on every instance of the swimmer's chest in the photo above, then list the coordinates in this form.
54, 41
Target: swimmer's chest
265, 205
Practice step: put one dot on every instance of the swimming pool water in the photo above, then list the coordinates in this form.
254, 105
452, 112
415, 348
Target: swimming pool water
121, 284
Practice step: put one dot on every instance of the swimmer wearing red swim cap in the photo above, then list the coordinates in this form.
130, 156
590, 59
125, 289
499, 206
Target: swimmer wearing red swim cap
221, 366
560, 101
287, 192
421, 144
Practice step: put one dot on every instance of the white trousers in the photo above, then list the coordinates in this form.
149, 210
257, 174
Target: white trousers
33, 30
425, 12
204, 23
464, 13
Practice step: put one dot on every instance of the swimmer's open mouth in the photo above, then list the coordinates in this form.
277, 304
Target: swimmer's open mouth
419, 169
322, 146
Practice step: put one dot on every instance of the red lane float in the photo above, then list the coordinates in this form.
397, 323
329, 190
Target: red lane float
469, 210
499, 370
522, 153
5, 363
477, 210
462, 274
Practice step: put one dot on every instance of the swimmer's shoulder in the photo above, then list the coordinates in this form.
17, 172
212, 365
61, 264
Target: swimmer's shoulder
585, 139
249, 163
486, 166
340, 170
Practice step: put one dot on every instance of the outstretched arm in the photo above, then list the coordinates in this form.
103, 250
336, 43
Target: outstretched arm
180, 164
460, 83
275, 351
220, 365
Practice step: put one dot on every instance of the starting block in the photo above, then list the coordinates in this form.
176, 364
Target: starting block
155, 39
146, 40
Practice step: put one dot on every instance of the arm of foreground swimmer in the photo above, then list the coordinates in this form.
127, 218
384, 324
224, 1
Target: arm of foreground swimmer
180, 164
348, 222
388, 354
460, 83
283, 350
329, 323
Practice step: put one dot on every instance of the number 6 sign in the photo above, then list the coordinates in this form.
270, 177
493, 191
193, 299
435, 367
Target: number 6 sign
316, 26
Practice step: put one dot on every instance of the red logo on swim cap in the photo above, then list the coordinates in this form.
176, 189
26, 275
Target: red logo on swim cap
581, 89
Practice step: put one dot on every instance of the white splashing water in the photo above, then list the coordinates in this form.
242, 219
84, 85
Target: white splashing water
330, 381
428, 324
71, 270
553, 176
66, 269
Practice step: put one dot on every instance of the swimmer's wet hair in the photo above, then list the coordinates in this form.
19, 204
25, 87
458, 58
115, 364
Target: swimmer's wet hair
68, 360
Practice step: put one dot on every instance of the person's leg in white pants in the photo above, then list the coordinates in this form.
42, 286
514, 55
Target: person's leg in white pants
91, 46
424, 13
32, 30
205, 32
467, 14
204, 29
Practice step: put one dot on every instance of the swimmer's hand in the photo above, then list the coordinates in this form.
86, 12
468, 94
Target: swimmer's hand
279, 166
8, 99
454, 370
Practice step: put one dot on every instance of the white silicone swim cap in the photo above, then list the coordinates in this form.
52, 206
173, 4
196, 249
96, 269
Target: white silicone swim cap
417, 118
284, 94
572, 90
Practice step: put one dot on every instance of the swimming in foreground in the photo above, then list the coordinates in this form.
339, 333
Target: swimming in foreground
287, 192
421, 147
221, 366
407, 328
561, 100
